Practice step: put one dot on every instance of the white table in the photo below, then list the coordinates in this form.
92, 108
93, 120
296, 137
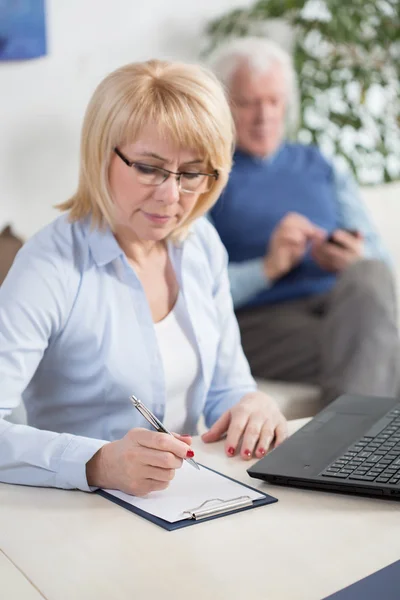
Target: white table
13, 584
73, 545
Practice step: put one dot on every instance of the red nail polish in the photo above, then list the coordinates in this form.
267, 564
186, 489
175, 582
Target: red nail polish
185, 434
189, 454
231, 450
247, 453
261, 451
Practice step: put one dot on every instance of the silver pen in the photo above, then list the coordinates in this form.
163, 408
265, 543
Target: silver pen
156, 423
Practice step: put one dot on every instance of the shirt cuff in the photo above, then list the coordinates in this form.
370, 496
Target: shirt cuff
72, 467
256, 276
247, 279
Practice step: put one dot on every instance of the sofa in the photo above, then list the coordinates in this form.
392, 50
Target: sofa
383, 203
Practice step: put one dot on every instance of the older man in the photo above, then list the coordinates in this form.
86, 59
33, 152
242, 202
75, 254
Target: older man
313, 295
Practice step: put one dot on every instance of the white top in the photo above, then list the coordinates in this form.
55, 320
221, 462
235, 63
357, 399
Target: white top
181, 364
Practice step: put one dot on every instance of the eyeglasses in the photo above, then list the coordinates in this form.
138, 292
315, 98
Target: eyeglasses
189, 182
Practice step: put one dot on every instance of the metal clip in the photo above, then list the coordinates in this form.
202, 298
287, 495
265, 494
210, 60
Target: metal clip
223, 506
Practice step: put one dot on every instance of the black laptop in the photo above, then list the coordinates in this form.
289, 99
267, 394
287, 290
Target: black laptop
352, 446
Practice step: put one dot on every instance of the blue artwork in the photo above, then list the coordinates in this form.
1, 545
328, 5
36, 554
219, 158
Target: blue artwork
22, 29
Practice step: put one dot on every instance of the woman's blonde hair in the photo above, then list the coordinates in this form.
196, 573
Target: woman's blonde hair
188, 105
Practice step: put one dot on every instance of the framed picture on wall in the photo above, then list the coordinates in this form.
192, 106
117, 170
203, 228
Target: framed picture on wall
22, 29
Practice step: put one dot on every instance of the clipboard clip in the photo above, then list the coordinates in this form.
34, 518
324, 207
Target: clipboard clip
220, 506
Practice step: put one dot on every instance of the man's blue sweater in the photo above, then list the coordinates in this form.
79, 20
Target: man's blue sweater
259, 194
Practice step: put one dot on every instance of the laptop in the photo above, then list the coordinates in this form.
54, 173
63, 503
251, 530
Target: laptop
352, 447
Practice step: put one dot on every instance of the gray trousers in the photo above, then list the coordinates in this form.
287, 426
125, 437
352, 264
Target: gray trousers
345, 341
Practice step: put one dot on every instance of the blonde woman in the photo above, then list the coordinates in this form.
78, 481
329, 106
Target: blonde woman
127, 292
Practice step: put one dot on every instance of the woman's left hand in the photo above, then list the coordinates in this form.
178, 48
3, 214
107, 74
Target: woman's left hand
255, 422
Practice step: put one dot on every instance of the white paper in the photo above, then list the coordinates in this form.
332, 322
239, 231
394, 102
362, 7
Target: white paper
187, 491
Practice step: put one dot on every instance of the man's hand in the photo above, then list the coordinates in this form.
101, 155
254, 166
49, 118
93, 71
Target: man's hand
288, 244
141, 462
254, 423
336, 257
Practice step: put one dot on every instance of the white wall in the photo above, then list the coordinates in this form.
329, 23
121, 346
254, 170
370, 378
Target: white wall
42, 101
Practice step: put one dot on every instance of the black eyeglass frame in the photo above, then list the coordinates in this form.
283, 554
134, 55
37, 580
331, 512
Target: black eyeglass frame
167, 172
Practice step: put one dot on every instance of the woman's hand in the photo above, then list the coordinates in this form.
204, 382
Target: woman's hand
141, 462
255, 422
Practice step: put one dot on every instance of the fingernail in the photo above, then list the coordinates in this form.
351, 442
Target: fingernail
185, 434
189, 454
261, 451
247, 453
231, 450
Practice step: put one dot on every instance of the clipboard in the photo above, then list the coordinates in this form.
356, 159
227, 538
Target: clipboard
213, 508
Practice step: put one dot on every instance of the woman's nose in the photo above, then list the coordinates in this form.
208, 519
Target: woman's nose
168, 192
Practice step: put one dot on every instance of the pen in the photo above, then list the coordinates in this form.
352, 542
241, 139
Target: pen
152, 419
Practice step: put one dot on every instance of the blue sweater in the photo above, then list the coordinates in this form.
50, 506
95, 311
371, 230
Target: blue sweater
258, 195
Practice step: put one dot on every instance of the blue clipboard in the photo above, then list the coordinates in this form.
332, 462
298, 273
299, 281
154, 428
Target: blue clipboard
192, 521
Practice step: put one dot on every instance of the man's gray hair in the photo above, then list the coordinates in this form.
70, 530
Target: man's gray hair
260, 54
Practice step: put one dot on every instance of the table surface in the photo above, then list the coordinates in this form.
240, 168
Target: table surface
304, 547
13, 584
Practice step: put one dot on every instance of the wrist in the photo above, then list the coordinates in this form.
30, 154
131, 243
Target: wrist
270, 270
96, 470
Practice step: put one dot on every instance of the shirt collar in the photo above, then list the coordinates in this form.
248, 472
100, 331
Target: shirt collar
103, 245
105, 248
261, 160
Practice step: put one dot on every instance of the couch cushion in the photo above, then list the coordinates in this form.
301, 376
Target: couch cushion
18, 415
383, 204
296, 400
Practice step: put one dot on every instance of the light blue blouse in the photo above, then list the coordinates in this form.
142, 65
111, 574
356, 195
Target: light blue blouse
77, 338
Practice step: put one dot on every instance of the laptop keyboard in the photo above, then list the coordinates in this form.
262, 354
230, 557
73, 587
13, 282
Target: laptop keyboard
371, 458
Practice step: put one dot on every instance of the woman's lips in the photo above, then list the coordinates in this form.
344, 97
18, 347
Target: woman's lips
157, 218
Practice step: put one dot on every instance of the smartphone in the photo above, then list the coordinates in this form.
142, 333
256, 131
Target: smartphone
330, 239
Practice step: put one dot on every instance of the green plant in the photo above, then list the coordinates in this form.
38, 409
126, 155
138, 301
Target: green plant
347, 57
